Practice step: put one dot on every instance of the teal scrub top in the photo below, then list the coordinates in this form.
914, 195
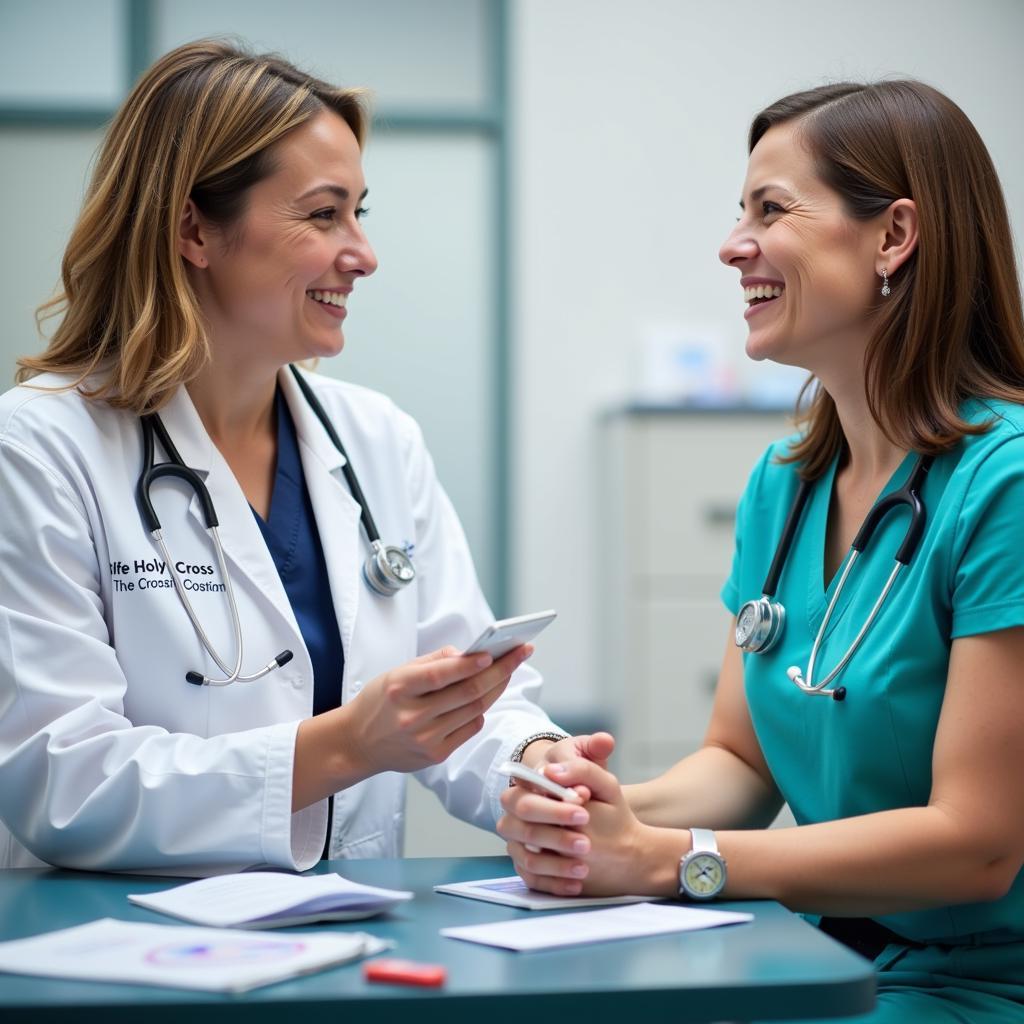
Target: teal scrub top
873, 751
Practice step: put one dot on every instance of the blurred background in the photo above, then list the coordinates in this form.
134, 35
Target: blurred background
549, 184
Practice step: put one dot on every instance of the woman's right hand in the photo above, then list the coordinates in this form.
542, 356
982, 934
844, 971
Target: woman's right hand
405, 719
598, 849
415, 715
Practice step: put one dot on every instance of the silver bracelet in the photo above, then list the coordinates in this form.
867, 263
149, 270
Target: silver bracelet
517, 754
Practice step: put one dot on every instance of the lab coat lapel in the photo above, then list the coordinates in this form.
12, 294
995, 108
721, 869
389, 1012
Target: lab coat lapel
337, 512
188, 433
240, 536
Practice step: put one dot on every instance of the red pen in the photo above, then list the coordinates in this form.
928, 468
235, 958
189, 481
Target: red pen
405, 972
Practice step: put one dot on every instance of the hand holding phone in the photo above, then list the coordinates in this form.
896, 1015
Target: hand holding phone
542, 782
508, 634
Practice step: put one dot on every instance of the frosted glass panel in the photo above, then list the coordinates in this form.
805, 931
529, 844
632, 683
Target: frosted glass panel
412, 54
62, 53
43, 175
421, 328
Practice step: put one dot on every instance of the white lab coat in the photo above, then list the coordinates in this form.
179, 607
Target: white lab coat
109, 759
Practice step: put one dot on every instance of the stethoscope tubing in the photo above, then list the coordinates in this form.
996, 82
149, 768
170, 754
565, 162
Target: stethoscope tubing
909, 495
388, 569
233, 675
350, 477
382, 575
771, 582
808, 685
152, 425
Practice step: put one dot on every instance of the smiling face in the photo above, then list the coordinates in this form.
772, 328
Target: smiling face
274, 287
808, 269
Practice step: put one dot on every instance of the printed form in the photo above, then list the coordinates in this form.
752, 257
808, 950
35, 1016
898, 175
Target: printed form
212, 959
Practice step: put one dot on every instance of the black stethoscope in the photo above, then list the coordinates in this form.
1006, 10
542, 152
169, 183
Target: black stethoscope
759, 623
387, 569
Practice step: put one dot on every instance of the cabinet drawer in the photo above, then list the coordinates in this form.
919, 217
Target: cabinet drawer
694, 471
685, 642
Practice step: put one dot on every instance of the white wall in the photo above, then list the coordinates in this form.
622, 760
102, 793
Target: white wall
629, 154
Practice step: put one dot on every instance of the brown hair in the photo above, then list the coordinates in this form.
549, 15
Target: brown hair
199, 124
953, 327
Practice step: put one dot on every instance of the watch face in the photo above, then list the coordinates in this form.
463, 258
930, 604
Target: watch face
703, 875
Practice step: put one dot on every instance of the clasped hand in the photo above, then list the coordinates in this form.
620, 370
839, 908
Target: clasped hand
571, 849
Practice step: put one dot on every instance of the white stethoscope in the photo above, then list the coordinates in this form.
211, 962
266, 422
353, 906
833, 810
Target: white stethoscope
387, 569
759, 623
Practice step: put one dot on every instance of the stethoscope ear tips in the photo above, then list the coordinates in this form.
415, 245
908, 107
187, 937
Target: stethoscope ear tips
796, 676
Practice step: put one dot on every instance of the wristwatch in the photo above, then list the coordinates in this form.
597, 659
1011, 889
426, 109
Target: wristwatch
702, 870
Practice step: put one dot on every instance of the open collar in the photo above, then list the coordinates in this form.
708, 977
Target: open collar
310, 430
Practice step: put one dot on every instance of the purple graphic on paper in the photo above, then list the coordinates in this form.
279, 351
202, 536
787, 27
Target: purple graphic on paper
223, 952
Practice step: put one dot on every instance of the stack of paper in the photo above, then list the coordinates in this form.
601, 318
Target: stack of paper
267, 899
158, 954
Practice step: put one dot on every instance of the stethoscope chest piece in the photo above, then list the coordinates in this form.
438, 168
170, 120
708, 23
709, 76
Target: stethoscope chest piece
759, 625
388, 570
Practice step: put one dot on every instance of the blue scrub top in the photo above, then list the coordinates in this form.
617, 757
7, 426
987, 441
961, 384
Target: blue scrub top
873, 751
292, 536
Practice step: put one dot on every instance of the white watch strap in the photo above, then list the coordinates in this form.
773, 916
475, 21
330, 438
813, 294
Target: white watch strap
703, 840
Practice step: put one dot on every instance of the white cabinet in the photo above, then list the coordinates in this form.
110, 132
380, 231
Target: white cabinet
671, 483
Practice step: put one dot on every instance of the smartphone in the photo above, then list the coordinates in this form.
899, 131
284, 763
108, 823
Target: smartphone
507, 634
524, 774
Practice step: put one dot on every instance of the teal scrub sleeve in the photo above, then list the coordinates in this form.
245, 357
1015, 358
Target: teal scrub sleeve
730, 592
988, 571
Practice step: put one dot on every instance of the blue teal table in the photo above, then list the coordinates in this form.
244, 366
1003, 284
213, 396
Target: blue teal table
776, 967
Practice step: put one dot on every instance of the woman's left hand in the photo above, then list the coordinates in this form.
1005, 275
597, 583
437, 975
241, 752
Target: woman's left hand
555, 851
596, 747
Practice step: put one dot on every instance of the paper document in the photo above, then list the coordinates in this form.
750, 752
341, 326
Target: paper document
555, 930
269, 899
180, 957
514, 892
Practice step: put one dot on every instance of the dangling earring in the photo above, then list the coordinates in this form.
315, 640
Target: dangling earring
886, 290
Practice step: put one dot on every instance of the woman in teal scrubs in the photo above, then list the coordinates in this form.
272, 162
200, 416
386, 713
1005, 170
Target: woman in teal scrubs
874, 250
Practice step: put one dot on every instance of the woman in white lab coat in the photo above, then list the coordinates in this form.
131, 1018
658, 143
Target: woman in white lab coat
218, 246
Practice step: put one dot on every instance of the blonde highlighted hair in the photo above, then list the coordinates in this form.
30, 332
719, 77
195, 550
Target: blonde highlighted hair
200, 124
